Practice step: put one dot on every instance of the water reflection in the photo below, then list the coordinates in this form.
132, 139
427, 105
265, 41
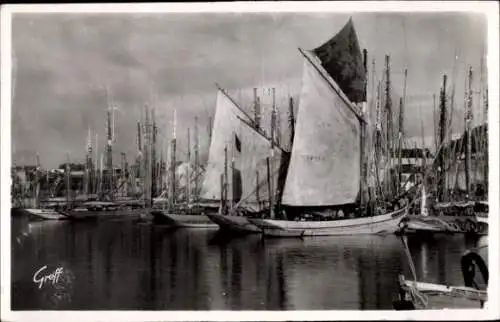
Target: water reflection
124, 265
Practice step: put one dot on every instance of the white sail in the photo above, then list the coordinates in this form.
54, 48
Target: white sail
325, 164
249, 154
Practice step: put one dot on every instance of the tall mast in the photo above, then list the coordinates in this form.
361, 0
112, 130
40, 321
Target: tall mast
484, 139
292, 121
173, 162
154, 156
362, 136
109, 155
256, 102
37, 178
188, 178
123, 165
388, 111
270, 162
257, 192
468, 121
402, 102
225, 182
196, 160
88, 165
442, 136
68, 182
378, 138
96, 166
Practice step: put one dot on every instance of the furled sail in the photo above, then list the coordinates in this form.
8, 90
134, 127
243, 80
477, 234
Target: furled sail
325, 163
246, 149
341, 58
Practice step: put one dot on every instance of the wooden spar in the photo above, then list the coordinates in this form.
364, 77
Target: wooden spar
434, 120
256, 102
442, 136
188, 179
402, 103
292, 122
153, 173
400, 139
68, 181
468, 121
362, 136
269, 186
109, 155
237, 106
484, 140
333, 85
96, 164
173, 164
37, 178
250, 123
272, 191
225, 180
222, 205
378, 140
257, 194
389, 128
196, 160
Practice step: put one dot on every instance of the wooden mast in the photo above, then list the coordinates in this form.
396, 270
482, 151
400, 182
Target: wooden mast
389, 128
68, 182
173, 161
468, 121
257, 116
37, 178
109, 156
188, 179
291, 121
442, 136
363, 163
224, 209
196, 160
402, 102
271, 162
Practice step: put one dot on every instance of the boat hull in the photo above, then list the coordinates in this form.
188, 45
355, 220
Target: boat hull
382, 224
234, 224
440, 296
44, 214
106, 214
183, 221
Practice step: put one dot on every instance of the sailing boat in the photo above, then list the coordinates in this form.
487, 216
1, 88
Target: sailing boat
178, 215
325, 177
250, 161
38, 212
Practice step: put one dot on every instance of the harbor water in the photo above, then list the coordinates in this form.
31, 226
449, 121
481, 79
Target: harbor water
128, 265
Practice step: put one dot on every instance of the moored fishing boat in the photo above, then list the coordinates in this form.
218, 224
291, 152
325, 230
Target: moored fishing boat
234, 223
183, 220
414, 294
325, 178
242, 193
44, 214
380, 224
104, 210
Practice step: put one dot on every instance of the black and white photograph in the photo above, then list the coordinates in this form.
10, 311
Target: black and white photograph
249, 157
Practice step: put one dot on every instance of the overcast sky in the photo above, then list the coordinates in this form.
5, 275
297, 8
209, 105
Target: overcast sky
64, 62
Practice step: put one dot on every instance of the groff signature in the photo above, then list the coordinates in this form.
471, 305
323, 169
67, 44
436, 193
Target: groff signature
41, 279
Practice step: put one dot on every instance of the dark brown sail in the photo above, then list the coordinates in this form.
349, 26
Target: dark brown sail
342, 59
